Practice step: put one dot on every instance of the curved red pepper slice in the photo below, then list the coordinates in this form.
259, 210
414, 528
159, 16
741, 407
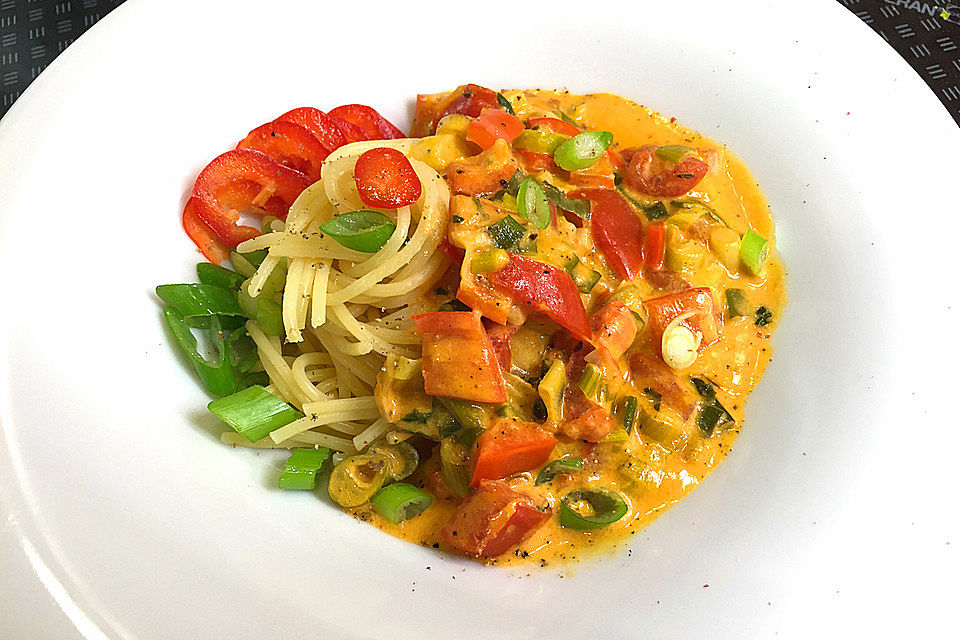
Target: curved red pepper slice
546, 289
236, 180
212, 248
319, 124
617, 229
511, 447
349, 131
369, 120
290, 145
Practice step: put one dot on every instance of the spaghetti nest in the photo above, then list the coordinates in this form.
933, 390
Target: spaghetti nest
344, 311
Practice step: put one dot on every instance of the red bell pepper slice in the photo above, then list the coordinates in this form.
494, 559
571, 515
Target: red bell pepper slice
233, 181
493, 520
650, 174
319, 124
290, 145
212, 248
386, 179
493, 125
654, 246
663, 310
545, 289
367, 118
510, 447
614, 328
617, 230
469, 100
458, 360
349, 131
500, 336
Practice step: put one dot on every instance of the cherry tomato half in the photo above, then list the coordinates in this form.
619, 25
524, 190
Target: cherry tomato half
386, 179
650, 174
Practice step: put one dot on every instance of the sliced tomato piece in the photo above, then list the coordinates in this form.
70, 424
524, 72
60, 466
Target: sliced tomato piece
458, 359
493, 520
617, 230
508, 447
654, 246
705, 319
290, 145
614, 328
650, 174
318, 123
469, 100
369, 119
243, 177
500, 337
386, 179
493, 125
593, 425
534, 162
545, 289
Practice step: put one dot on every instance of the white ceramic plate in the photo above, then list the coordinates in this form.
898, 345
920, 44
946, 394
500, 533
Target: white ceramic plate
123, 516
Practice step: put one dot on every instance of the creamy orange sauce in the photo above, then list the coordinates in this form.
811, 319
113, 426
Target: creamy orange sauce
652, 470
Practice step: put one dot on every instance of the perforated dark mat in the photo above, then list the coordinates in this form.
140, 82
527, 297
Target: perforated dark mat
927, 35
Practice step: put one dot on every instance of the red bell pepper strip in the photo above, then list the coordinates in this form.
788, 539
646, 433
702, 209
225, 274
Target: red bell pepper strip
663, 310
458, 360
510, 447
617, 230
597, 176
493, 520
469, 100
290, 145
212, 248
650, 174
318, 123
654, 246
232, 181
349, 131
386, 179
545, 289
367, 118
493, 125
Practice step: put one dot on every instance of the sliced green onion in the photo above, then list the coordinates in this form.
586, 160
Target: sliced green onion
505, 104
656, 211
538, 141
400, 501
455, 466
266, 225
416, 417
365, 231
357, 478
254, 412
590, 380
629, 412
217, 276
712, 416
704, 388
513, 186
576, 206
673, 152
532, 203
242, 351
470, 416
549, 472
216, 376
608, 506
582, 150
506, 232
489, 261
736, 302
301, 469
241, 264
199, 299
551, 389
753, 251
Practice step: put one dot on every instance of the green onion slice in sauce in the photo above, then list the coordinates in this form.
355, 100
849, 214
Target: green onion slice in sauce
302, 468
400, 501
607, 506
582, 150
566, 465
532, 203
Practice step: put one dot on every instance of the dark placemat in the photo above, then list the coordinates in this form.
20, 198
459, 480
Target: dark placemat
926, 34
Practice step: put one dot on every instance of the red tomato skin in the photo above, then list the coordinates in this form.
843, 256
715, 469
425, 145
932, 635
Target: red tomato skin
386, 179
545, 289
509, 447
471, 529
369, 119
318, 123
617, 230
493, 125
662, 310
242, 171
458, 359
290, 145
654, 176
453, 252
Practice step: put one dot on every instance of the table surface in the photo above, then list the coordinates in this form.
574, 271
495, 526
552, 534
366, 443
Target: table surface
926, 34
